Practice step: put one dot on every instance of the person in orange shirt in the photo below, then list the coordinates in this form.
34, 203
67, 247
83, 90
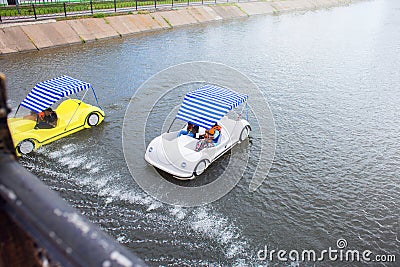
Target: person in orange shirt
209, 138
45, 120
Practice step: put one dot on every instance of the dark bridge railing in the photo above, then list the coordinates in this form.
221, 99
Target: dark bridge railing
37, 227
45, 10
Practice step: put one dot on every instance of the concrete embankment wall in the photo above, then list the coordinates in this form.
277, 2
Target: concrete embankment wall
46, 34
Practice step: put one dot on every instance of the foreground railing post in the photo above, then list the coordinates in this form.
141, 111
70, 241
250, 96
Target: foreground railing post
65, 9
136, 4
115, 6
0, 19
34, 10
172, 3
155, 4
91, 6
17, 6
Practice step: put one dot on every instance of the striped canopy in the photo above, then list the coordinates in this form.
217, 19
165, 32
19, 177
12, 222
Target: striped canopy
208, 104
46, 93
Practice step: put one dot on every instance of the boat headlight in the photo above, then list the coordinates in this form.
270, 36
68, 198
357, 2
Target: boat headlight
150, 149
183, 164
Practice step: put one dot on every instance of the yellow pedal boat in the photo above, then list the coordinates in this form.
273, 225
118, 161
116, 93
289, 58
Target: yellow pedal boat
73, 114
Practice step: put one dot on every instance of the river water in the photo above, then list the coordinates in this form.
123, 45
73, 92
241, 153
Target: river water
332, 80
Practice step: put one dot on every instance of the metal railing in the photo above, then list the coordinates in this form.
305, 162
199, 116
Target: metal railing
35, 10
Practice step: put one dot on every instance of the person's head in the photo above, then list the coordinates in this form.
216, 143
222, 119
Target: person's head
190, 126
48, 111
195, 129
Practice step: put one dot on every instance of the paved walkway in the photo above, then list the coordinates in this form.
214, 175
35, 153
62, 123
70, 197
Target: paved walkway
30, 36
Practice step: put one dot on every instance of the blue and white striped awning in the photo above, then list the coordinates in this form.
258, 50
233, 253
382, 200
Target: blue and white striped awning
46, 93
208, 104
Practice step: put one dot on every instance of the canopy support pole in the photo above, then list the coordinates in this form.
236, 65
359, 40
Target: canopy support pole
247, 112
240, 115
95, 96
17, 110
84, 95
79, 104
76, 109
171, 125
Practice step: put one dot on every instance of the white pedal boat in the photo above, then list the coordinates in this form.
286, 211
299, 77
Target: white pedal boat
204, 107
